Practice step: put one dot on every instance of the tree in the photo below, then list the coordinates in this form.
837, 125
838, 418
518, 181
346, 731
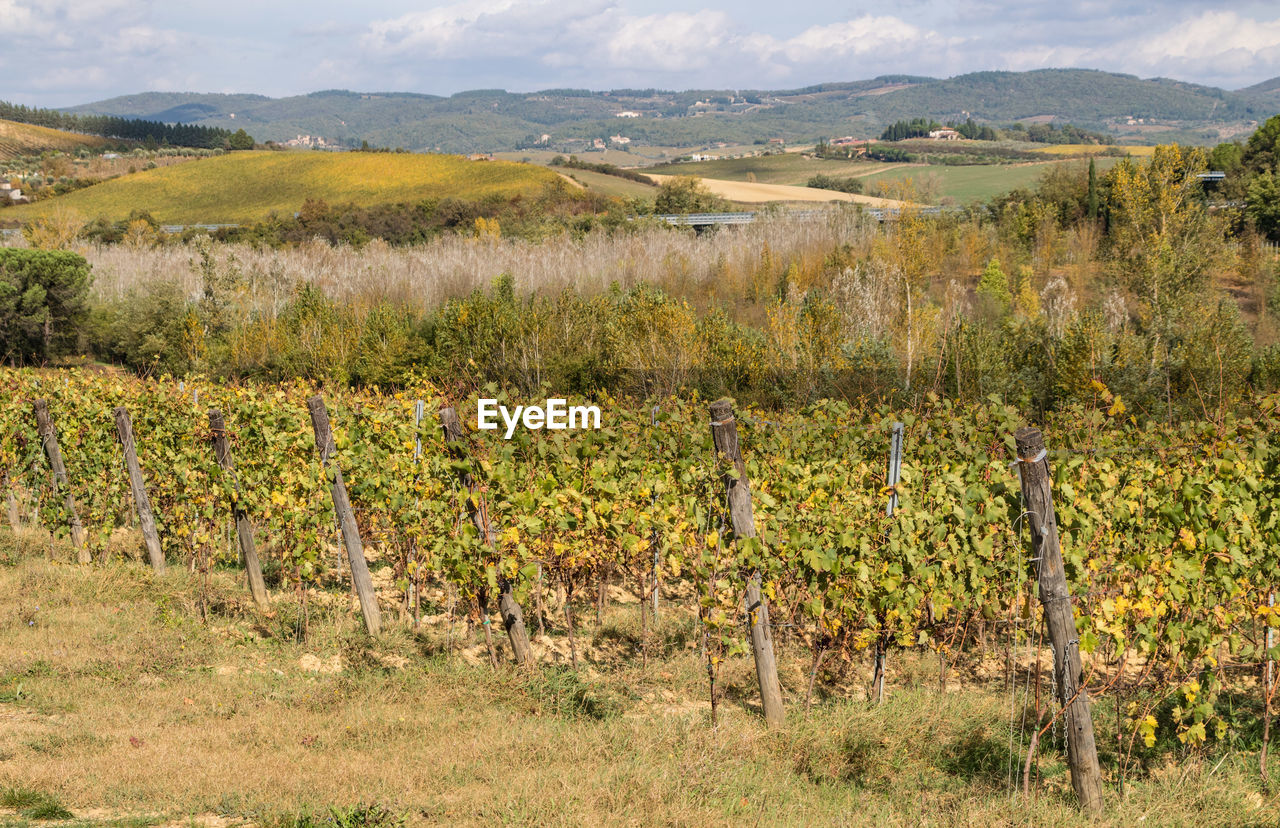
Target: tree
241, 140
1263, 200
1260, 163
993, 288
687, 194
1262, 151
1162, 239
43, 302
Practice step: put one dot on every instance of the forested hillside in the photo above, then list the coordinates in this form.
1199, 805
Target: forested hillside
495, 119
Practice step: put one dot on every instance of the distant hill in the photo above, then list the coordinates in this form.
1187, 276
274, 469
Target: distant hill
249, 186
1131, 108
1265, 94
27, 139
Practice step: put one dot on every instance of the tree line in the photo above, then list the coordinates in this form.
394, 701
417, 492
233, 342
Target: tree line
1035, 133
128, 129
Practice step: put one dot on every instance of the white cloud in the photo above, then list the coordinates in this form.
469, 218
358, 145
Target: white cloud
69, 51
866, 35
499, 28
1213, 47
88, 44
599, 38
674, 42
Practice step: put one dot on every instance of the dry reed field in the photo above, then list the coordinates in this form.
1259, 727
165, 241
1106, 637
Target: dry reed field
425, 275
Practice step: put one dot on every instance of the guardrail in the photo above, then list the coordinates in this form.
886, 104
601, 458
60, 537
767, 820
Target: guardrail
178, 228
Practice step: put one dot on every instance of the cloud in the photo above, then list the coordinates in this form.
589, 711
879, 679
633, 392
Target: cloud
500, 28
86, 45
69, 51
1211, 47
599, 39
865, 35
674, 42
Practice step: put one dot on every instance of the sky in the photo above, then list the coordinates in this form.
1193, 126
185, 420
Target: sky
65, 52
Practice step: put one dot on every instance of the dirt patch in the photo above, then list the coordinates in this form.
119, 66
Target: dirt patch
313, 664
755, 193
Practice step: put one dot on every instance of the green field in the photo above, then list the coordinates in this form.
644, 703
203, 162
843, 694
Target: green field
610, 185
249, 186
977, 183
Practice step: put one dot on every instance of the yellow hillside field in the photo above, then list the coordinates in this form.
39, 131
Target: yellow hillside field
249, 186
1091, 149
27, 139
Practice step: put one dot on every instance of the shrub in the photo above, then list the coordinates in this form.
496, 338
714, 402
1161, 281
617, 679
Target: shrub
43, 301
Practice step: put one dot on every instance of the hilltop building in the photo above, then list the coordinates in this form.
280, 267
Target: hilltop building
848, 142
311, 141
944, 134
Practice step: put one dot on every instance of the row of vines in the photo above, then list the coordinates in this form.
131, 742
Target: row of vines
1169, 530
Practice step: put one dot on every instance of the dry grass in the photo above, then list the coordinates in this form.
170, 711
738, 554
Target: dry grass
116, 702
424, 276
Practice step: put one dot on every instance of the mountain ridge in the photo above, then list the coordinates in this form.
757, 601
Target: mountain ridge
1131, 108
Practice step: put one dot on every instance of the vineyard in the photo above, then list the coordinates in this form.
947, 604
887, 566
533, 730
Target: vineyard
1168, 531
250, 186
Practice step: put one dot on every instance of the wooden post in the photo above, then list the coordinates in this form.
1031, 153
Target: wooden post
415, 599
346, 517
654, 538
1055, 599
15, 520
508, 607
724, 433
244, 529
892, 473
49, 437
124, 428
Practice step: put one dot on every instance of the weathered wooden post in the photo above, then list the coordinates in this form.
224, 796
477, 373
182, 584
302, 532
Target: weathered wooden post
11, 498
724, 433
346, 517
419, 409
508, 607
654, 537
1055, 600
49, 437
244, 529
124, 428
892, 474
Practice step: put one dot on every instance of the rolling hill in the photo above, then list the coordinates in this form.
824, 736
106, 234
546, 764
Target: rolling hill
249, 186
1265, 94
494, 120
27, 139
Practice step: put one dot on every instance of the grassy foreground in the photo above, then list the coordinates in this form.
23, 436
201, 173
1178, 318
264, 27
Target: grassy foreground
248, 186
119, 705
